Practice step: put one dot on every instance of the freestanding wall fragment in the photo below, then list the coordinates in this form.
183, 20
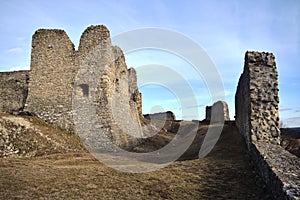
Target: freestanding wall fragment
257, 119
208, 113
257, 98
218, 112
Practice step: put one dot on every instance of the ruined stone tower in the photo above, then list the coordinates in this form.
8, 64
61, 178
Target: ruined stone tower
95, 77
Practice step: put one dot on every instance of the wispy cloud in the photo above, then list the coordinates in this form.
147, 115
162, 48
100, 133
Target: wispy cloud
193, 106
282, 109
14, 50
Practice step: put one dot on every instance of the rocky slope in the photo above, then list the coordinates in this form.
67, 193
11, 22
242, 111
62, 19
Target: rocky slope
28, 136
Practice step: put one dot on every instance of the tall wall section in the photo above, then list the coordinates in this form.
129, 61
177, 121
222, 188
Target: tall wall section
257, 98
257, 118
95, 77
13, 90
52, 74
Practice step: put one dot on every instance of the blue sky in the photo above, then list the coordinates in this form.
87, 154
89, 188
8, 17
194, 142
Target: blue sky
225, 29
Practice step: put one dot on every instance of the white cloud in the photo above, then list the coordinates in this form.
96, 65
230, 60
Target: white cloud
19, 68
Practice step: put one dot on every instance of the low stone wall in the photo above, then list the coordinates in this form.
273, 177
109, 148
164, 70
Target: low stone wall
161, 116
257, 119
278, 168
13, 90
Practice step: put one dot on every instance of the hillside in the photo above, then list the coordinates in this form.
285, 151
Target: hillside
29, 136
62, 170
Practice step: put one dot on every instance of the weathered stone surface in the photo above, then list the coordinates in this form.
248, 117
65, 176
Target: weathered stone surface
208, 113
13, 90
30, 137
257, 98
161, 116
218, 112
257, 118
52, 74
136, 96
96, 75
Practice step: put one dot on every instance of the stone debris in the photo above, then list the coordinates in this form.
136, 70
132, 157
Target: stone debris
19, 137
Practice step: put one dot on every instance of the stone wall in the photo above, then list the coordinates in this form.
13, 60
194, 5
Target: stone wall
161, 116
13, 90
136, 96
52, 74
257, 98
257, 118
94, 79
218, 112
208, 113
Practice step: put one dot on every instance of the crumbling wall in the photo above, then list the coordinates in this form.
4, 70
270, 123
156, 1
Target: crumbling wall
257, 118
161, 116
52, 74
218, 112
13, 90
95, 78
208, 113
136, 96
257, 98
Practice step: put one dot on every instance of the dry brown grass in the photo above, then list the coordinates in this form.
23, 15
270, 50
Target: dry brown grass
224, 174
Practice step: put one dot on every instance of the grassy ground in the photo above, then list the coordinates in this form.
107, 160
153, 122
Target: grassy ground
225, 173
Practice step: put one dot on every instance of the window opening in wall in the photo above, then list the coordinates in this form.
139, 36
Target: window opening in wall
84, 90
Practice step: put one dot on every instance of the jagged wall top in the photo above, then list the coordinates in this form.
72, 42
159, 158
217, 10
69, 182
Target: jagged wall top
93, 36
55, 67
257, 98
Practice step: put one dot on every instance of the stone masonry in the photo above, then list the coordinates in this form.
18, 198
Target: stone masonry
13, 90
161, 116
257, 118
208, 113
96, 75
218, 112
52, 75
257, 98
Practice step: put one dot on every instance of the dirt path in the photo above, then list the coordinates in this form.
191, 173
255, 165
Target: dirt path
224, 174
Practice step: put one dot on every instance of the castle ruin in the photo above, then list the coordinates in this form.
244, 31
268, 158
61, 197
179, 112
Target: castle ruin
95, 82
60, 75
257, 118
